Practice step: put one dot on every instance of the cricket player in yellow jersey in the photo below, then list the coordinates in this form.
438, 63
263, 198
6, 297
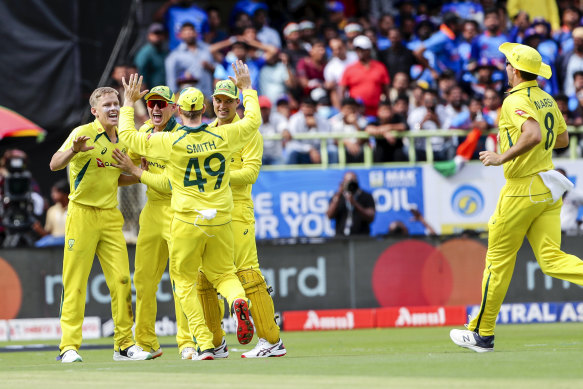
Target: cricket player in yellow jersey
198, 166
530, 127
94, 226
152, 247
245, 165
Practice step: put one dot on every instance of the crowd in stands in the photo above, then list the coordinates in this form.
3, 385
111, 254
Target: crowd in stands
378, 66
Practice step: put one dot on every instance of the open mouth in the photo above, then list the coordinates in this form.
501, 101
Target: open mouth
156, 116
113, 115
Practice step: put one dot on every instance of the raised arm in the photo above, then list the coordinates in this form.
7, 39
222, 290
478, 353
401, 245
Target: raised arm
251, 155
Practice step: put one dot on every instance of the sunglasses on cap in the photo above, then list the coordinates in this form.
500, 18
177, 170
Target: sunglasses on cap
160, 103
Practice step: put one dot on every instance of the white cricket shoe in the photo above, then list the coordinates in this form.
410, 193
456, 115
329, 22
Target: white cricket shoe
71, 356
264, 349
222, 351
132, 353
206, 355
188, 352
156, 353
473, 341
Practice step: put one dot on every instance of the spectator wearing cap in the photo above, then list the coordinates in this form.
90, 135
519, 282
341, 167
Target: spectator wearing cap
571, 62
310, 70
564, 37
443, 45
191, 59
175, 14
272, 123
335, 10
293, 44
334, 69
350, 121
303, 122
351, 31
485, 45
366, 79
265, 33
151, 56
307, 33
537, 9
398, 58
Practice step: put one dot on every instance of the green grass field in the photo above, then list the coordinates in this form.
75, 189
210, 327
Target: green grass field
526, 356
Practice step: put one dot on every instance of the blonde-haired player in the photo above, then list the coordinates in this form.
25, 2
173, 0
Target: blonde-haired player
94, 226
153, 243
245, 166
198, 167
531, 126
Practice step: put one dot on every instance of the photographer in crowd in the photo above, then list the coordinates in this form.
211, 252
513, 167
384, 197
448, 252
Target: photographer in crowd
352, 208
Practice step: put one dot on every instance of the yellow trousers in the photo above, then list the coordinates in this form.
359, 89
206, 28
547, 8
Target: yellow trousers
524, 208
194, 245
152, 249
90, 231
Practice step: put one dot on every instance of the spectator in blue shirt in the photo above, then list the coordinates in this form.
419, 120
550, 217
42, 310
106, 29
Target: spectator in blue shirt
486, 45
177, 12
468, 10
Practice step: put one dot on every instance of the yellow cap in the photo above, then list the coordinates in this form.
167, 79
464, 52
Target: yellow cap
226, 88
525, 58
161, 91
191, 99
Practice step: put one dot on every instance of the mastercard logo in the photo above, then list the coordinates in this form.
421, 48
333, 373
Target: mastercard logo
10, 292
415, 273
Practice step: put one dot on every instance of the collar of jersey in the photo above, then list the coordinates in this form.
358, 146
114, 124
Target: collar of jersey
523, 85
169, 125
101, 131
202, 127
215, 123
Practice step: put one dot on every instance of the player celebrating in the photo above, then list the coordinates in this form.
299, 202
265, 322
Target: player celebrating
94, 226
245, 166
153, 242
531, 126
199, 170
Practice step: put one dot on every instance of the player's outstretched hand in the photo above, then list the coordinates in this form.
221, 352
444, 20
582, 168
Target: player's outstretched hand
79, 144
132, 89
242, 78
490, 158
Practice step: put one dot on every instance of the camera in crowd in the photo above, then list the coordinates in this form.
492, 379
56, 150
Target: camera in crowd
351, 186
17, 208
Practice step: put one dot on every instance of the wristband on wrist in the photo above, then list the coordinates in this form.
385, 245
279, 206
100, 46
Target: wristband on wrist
73, 150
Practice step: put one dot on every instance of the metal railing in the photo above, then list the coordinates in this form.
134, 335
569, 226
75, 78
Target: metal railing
410, 135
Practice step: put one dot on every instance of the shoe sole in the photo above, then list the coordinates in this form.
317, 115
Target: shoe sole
122, 359
154, 356
206, 358
244, 325
266, 356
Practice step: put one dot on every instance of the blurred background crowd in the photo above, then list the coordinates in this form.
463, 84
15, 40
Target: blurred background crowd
344, 67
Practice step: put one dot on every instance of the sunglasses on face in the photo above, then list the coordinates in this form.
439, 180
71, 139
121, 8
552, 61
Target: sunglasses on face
160, 103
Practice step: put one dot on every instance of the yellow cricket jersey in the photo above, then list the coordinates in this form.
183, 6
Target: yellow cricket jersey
527, 100
245, 165
198, 159
92, 178
157, 182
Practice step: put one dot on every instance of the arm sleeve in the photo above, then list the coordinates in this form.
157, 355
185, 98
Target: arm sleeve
160, 182
251, 154
158, 146
247, 127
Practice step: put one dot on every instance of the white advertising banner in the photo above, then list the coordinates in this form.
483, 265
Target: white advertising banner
468, 199
49, 328
3, 331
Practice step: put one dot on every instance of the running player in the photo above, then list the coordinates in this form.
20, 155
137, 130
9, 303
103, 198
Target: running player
531, 126
94, 226
199, 170
153, 242
245, 165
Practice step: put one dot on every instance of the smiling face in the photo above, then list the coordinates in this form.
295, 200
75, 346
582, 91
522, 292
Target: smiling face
158, 115
225, 108
106, 110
